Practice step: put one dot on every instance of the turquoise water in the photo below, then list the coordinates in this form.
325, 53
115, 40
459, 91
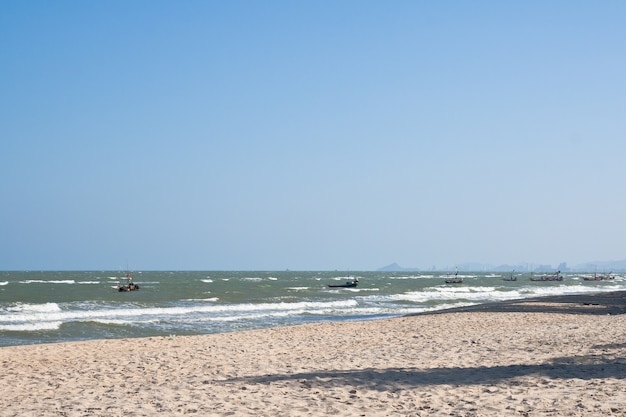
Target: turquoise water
43, 307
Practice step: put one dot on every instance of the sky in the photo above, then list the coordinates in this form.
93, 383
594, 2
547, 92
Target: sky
311, 135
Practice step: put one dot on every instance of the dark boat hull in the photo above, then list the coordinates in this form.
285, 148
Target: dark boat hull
351, 285
125, 288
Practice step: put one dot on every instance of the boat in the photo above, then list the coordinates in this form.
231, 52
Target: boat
597, 277
510, 278
454, 280
349, 284
553, 277
129, 285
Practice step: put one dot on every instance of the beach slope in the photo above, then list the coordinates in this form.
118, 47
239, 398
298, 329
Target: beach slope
541, 358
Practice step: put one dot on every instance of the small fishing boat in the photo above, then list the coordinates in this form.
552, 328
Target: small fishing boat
129, 285
597, 277
349, 284
554, 277
510, 278
454, 280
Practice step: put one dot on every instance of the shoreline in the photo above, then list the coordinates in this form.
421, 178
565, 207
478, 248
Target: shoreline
612, 303
548, 356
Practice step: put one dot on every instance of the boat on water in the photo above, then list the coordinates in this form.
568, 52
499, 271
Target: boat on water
597, 277
129, 285
349, 284
552, 277
456, 279
510, 278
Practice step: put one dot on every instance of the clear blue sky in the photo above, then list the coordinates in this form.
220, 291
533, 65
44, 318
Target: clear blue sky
311, 134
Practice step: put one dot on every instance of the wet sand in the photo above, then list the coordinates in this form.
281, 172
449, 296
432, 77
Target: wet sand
553, 356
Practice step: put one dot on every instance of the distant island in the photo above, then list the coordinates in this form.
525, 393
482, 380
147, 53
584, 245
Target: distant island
596, 266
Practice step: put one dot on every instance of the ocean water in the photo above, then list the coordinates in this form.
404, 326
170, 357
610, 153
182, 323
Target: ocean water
46, 307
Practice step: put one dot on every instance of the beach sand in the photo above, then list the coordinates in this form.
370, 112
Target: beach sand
546, 357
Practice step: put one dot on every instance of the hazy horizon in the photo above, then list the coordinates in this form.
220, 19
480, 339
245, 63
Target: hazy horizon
591, 266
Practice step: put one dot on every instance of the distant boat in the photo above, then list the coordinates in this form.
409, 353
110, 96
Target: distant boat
510, 278
454, 280
129, 286
553, 277
597, 277
349, 284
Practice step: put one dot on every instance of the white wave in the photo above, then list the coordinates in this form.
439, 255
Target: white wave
36, 308
208, 280
540, 291
353, 311
88, 282
463, 290
122, 322
254, 279
31, 327
4, 283
490, 294
344, 290
248, 312
438, 296
273, 279
449, 305
119, 322
391, 311
129, 314
250, 316
353, 289
346, 311
41, 281
405, 277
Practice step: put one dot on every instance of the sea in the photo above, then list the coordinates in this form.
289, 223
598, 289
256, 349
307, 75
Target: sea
51, 307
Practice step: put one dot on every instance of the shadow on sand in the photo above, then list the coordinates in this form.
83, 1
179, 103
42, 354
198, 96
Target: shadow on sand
610, 363
579, 367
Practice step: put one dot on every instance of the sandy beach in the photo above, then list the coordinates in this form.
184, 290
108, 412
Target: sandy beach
542, 357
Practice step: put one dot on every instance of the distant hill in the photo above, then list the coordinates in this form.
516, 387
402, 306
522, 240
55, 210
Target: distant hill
394, 267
